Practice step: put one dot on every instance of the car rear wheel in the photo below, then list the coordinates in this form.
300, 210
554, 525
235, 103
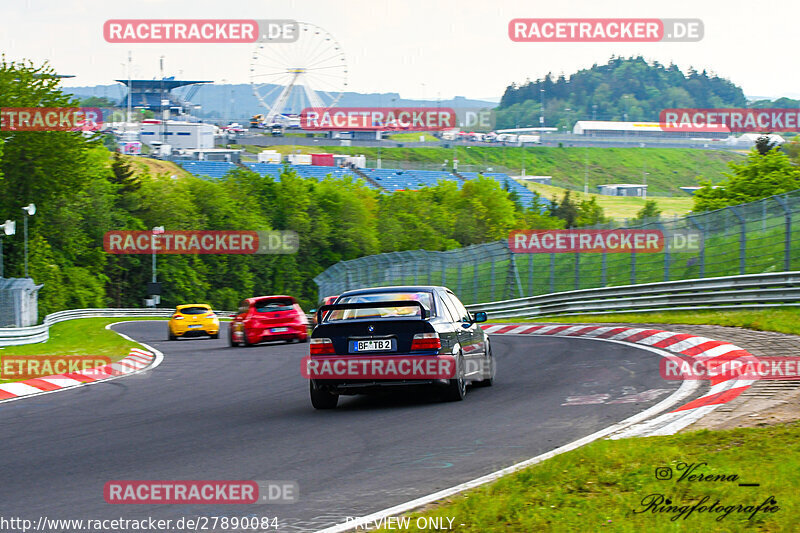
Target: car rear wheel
244, 339
215, 335
232, 342
171, 336
322, 399
456, 389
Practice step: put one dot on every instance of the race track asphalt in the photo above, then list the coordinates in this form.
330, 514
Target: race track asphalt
214, 412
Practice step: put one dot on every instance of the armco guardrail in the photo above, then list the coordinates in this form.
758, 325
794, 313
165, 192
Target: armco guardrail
41, 332
728, 292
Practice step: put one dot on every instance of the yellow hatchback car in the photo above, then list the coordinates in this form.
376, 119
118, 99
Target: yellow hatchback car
193, 320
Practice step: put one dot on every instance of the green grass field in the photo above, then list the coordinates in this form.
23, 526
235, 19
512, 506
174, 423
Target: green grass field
612, 486
619, 207
667, 168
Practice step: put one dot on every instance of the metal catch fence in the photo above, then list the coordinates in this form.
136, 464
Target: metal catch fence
758, 237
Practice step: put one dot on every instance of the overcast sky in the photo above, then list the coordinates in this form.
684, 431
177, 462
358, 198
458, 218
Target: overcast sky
419, 48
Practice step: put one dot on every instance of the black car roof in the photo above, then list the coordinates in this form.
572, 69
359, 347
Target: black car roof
398, 288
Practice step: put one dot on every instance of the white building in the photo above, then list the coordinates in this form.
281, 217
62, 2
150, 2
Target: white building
609, 128
622, 189
178, 135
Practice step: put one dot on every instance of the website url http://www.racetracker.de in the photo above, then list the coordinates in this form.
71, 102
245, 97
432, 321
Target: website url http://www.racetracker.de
44, 524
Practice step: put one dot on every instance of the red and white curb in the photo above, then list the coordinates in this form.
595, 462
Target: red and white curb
700, 348
137, 360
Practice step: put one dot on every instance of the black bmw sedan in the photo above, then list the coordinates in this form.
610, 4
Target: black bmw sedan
374, 338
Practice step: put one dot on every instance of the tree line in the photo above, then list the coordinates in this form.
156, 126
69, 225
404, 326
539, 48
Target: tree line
623, 89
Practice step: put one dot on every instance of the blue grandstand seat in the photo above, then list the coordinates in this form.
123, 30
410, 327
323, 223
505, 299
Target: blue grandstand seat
211, 169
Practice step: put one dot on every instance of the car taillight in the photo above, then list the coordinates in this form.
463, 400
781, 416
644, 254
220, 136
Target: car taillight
178, 317
426, 341
321, 346
211, 315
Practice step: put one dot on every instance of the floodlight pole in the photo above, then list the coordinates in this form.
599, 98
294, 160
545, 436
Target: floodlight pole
29, 210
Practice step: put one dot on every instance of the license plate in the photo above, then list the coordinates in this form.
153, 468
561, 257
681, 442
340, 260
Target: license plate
195, 325
279, 330
371, 345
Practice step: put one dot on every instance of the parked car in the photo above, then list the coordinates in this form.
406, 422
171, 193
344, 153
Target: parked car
193, 320
425, 325
268, 318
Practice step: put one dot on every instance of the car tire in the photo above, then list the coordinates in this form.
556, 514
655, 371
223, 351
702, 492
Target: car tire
232, 342
170, 336
456, 389
488, 382
215, 335
322, 399
304, 339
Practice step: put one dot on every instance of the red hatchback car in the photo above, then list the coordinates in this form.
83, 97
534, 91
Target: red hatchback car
268, 318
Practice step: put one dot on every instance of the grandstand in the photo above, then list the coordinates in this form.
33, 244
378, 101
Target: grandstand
211, 169
393, 179
148, 94
388, 179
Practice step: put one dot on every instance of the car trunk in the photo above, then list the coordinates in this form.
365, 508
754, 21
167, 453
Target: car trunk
402, 330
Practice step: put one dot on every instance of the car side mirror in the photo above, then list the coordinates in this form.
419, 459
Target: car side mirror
312, 311
480, 316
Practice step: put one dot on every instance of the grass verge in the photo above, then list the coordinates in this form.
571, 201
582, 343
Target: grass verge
782, 320
608, 486
619, 207
83, 336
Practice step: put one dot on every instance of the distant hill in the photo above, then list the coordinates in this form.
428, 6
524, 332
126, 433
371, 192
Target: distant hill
624, 88
238, 103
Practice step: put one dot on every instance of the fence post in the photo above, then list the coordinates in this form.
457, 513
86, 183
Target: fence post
577, 270
491, 298
604, 269
633, 268
742, 240
787, 233
702, 245
513, 274
530, 274
552, 272
666, 251
475, 280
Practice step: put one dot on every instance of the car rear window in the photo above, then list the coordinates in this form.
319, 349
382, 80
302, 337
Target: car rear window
424, 298
271, 306
194, 310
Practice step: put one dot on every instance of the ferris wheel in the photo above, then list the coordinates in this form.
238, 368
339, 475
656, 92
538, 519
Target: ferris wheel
289, 77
